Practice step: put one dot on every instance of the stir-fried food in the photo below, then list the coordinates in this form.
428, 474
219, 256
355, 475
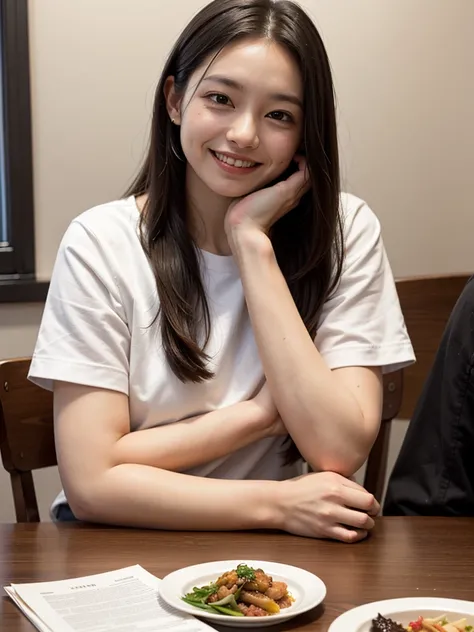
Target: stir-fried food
422, 624
242, 592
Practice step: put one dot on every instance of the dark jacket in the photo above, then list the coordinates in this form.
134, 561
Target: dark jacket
434, 473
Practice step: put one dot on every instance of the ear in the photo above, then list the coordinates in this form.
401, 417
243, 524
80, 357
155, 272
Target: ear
173, 101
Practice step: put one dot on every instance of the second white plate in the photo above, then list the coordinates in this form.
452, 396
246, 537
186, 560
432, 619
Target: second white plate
403, 611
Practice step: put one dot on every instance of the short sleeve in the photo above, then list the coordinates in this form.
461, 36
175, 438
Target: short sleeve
361, 323
83, 337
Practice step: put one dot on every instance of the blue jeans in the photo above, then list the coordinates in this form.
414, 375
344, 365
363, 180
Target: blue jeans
64, 514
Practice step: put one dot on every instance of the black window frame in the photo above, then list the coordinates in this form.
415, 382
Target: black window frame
18, 281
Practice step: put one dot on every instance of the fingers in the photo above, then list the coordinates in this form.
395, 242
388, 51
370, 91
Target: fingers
375, 510
298, 183
372, 504
358, 519
344, 534
300, 161
303, 168
362, 500
349, 482
351, 526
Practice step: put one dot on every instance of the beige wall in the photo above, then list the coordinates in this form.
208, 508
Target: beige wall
403, 72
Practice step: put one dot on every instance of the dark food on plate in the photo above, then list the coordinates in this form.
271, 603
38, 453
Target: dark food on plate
241, 592
383, 624
422, 624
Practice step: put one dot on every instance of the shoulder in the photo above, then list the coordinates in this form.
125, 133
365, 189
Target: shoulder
356, 212
111, 223
106, 234
361, 226
101, 243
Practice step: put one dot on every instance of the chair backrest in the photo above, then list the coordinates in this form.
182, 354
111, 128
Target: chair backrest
427, 303
26, 433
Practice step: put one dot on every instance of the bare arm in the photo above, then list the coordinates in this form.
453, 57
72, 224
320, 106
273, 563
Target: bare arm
181, 445
90, 424
107, 478
333, 416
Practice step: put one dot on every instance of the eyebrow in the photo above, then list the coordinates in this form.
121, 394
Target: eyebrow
231, 83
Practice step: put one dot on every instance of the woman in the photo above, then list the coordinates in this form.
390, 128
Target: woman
232, 300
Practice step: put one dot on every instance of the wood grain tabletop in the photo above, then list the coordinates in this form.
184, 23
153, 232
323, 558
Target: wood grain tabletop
404, 557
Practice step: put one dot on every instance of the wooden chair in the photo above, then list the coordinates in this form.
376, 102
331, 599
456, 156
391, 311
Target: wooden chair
26, 434
426, 305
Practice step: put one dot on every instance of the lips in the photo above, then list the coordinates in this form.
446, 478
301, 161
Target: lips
234, 162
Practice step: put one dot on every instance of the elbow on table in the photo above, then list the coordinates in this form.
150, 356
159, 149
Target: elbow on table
82, 507
86, 503
344, 464
349, 456
334, 465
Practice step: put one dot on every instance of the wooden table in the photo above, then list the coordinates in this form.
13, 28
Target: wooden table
404, 557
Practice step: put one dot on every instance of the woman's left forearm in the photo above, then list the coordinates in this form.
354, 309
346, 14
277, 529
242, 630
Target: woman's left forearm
321, 414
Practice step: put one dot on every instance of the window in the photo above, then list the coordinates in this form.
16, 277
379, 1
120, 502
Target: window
17, 252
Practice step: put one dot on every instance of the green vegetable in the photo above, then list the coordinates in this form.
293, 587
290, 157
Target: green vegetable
245, 572
230, 600
228, 605
228, 611
202, 593
468, 628
217, 606
198, 604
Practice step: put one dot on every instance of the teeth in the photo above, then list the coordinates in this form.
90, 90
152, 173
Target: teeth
234, 163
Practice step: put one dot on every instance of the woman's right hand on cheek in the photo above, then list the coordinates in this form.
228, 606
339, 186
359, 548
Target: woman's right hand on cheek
326, 505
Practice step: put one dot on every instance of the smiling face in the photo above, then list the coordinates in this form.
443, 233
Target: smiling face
241, 118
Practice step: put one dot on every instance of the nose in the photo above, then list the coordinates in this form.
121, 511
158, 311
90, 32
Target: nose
243, 132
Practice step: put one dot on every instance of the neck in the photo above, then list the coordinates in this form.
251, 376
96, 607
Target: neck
206, 213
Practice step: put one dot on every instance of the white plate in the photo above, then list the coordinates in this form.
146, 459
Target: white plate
403, 611
307, 590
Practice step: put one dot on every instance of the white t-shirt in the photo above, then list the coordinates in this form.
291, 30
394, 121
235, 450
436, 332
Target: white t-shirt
102, 299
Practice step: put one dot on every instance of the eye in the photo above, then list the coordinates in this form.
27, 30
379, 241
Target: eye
278, 115
220, 99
